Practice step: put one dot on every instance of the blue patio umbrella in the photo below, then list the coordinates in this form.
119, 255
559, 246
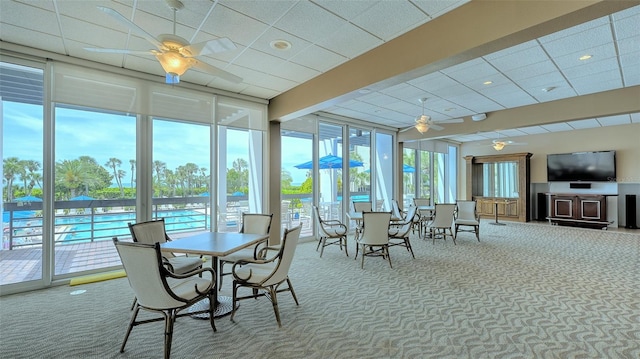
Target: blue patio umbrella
28, 199
237, 193
328, 162
82, 198
408, 169
204, 194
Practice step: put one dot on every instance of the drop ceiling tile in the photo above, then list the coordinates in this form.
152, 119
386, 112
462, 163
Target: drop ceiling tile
456, 90
241, 29
407, 93
599, 53
437, 8
593, 83
318, 58
345, 9
433, 81
517, 60
512, 133
310, 22
533, 130
629, 45
582, 124
615, 120
349, 41
474, 74
627, 26
294, 72
258, 60
575, 30
388, 19
557, 127
588, 39
34, 38
27, 17
267, 12
562, 90
537, 83
593, 67
513, 99
532, 70
635, 117
263, 43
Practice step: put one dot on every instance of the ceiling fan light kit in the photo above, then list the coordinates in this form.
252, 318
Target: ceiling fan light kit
498, 145
175, 54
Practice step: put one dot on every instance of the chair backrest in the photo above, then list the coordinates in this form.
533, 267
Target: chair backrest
362, 206
149, 232
409, 219
421, 201
444, 215
395, 209
256, 223
466, 210
143, 266
287, 249
375, 228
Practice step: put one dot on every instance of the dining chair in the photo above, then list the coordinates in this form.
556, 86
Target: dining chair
374, 240
331, 232
360, 206
443, 221
399, 235
254, 223
467, 216
154, 231
161, 291
265, 276
425, 216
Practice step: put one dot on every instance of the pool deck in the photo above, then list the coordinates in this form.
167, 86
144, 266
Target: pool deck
25, 263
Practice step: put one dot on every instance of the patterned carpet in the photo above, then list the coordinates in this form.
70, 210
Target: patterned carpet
527, 290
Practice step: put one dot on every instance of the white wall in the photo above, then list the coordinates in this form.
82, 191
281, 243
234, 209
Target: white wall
624, 139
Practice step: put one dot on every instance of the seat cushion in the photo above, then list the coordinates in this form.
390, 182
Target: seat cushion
467, 222
187, 288
258, 272
247, 253
184, 264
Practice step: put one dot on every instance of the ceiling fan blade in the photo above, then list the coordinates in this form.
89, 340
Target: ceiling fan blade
212, 70
211, 47
452, 120
118, 51
133, 27
433, 126
407, 129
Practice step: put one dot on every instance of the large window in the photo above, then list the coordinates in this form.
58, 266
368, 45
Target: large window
432, 166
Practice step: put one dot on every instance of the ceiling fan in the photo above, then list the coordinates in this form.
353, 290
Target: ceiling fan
499, 144
424, 122
175, 54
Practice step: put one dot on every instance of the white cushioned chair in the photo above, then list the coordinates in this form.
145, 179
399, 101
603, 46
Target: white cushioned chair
161, 291
443, 221
254, 223
467, 216
330, 232
374, 240
399, 233
267, 275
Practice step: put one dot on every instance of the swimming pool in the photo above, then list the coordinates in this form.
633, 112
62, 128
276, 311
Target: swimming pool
80, 228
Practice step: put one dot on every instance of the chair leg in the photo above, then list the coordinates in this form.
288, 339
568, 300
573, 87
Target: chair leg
319, 242
409, 248
324, 243
345, 245
293, 294
274, 302
133, 305
234, 300
452, 236
385, 249
169, 319
477, 228
364, 254
132, 322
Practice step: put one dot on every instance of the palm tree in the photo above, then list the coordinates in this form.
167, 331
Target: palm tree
133, 171
114, 163
10, 167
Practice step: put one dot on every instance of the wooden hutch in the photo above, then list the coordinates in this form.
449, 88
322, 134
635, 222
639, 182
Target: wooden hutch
512, 206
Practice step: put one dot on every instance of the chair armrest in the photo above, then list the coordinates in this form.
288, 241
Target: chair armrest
242, 262
191, 273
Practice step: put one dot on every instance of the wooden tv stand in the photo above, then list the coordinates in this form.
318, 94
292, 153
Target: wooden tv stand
581, 210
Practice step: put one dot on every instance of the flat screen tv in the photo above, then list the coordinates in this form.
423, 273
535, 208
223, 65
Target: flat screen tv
597, 166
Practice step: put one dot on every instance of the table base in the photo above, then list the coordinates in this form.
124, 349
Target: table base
498, 223
224, 307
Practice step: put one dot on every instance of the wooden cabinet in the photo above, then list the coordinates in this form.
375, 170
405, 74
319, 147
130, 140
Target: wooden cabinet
485, 173
587, 210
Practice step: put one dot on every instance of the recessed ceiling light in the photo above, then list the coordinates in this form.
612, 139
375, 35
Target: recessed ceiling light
364, 91
281, 45
584, 57
487, 82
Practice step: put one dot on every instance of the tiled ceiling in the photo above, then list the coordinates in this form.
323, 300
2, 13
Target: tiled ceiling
327, 33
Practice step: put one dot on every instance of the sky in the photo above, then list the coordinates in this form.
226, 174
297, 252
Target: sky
103, 136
